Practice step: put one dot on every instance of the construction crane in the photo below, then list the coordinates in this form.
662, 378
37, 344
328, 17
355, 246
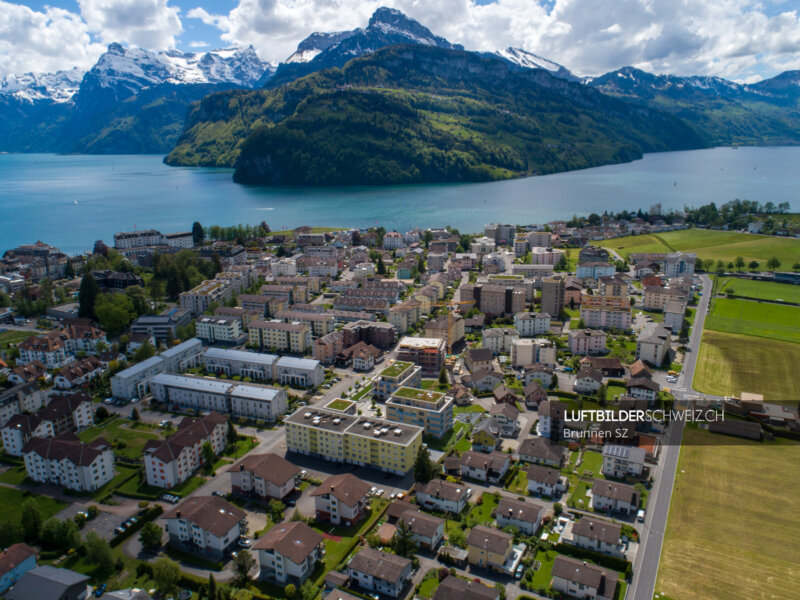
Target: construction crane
451, 306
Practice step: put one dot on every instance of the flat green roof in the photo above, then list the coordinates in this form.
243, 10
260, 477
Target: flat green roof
415, 394
339, 404
396, 368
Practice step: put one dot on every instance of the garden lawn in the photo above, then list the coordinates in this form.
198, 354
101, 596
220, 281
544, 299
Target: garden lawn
613, 391
472, 408
715, 245
762, 319
542, 577
519, 485
128, 438
367, 389
730, 364
14, 475
429, 584
13, 337
729, 507
134, 489
481, 514
591, 461
11, 500
763, 290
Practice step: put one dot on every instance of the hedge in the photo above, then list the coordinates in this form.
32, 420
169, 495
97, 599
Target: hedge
610, 562
151, 515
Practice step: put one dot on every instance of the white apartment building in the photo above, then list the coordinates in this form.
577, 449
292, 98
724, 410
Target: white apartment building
499, 339
264, 477
587, 341
246, 400
198, 299
393, 240
482, 245
529, 351
206, 525
529, 324
380, 572
134, 382
285, 267
288, 553
22, 398
341, 499
539, 239
69, 464
622, 461
63, 414
254, 365
172, 461
222, 330
442, 496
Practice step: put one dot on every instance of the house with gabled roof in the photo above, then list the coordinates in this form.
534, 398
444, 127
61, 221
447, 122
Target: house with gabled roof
264, 477
288, 553
206, 525
598, 535
490, 467
341, 499
380, 572
442, 496
524, 516
580, 579
545, 481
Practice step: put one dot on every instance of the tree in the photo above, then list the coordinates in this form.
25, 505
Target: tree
10, 533
753, 265
773, 264
69, 271
101, 414
423, 467
442, 376
242, 595
720, 267
739, 263
138, 299
98, 552
427, 237
232, 435
135, 415
198, 235
290, 590
381, 268
557, 509
403, 542
276, 508
796, 266
87, 296
243, 564
208, 453
150, 536
144, 352
114, 312
31, 520
166, 574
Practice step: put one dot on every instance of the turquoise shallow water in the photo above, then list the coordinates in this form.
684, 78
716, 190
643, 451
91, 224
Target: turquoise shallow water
71, 201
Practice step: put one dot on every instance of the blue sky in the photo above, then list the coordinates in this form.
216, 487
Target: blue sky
744, 40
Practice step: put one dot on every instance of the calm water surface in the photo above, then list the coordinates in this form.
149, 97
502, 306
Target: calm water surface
71, 201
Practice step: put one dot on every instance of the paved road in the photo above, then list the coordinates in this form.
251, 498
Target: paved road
645, 568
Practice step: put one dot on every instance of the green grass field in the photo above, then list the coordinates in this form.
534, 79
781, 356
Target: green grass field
763, 290
762, 319
11, 500
716, 245
13, 337
730, 364
731, 532
127, 438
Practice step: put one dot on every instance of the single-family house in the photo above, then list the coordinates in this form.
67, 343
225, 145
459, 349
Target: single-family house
380, 572
288, 553
206, 525
15, 561
490, 467
426, 530
583, 580
614, 497
443, 496
545, 481
598, 535
525, 516
489, 547
507, 415
486, 435
263, 477
542, 451
341, 499
623, 461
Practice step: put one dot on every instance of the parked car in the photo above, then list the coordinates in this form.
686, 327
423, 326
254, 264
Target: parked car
244, 542
218, 493
640, 516
518, 573
119, 530
100, 590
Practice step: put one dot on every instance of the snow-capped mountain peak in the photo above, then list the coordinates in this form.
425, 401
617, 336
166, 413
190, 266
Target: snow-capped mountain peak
33, 87
315, 43
529, 60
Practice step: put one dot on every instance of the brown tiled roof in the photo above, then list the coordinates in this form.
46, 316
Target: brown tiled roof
552, 408
479, 354
190, 432
14, 556
491, 540
597, 529
421, 523
210, 513
294, 540
529, 512
543, 475
479, 460
346, 488
67, 447
591, 373
455, 588
501, 391
639, 369
382, 565
615, 491
642, 382
32, 370
446, 490
61, 406
270, 467
542, 448
506, 409
24, 423
603, 580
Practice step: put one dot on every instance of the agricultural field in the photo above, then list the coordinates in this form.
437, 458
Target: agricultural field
763, 290
730, 364
715, 245
761, 319
728, 521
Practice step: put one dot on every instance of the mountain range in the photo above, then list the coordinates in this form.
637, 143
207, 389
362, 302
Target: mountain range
137, 101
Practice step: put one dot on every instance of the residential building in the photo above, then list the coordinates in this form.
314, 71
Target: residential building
456, 588
545, 481
507, 416
443, 496
529, 324
24, 397
299, 372
163, 327
380, 572
449, 329
493, 299
63, 414
623, 461
245, 400
230, 363
587, 341
395, 375
281, 337
68, 463
594, 270
534, 394
219, 330
170, 462
428, 409
525, 516
206, 525
393, 240
489, 548
587, 381
490, 467
606, 312
482, 380
50, 583
499, 339
384, 445
134, 382
529, 351
486, 435
539, 239
426, 530
198, 299
264, 477
320, 323
674, 311
643, 388
553, 295
542, 451
598, 535
15, 561
614, 497
476, 359
551, 419
652, 345
546, 256
288, 553
538, 372
609, 367
428, 353
341, 499
580, 579
501, 234
58, 348
656, 297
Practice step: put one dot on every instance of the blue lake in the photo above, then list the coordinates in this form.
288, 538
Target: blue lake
71, 201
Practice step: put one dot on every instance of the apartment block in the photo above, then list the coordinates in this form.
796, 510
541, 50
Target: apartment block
134, 382
219, 330
493, 299
394, 376
320, 323
370, 442
553, 295
428, 353
587, 341
430, 410
206, 525
198, 299
529, 324
292, 337
67, 462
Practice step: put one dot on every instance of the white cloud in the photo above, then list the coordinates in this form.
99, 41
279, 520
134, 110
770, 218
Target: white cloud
730, 38
43, 41
151, 24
